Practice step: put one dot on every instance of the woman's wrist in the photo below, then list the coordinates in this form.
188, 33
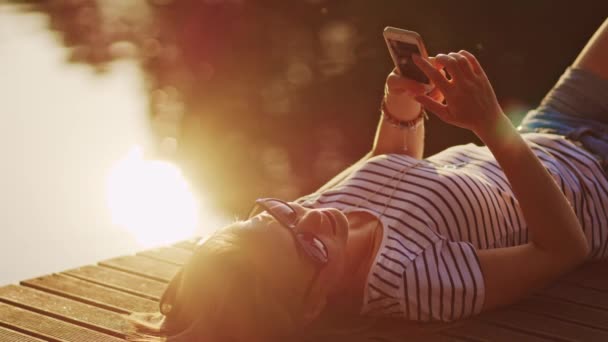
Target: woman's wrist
389, 118
402, 106
497, 132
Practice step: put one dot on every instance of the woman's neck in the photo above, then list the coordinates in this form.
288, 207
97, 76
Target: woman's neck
365, 234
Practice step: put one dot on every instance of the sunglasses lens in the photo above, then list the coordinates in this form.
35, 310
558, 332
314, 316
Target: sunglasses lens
313, 246
288, 216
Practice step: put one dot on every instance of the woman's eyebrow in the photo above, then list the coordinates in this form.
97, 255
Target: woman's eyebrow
262, 218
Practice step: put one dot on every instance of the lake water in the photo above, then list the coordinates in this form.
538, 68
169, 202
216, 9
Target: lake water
63, 129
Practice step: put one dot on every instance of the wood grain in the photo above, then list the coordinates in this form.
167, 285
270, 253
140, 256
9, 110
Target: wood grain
173, 255
481, 331
48, 328
566, 311
142, 266
578, 295
542, 326
92, 294
65, 309
121, 281
7, 335
593, 276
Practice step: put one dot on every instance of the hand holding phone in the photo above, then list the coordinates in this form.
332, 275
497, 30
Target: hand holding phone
402, 44
470, 101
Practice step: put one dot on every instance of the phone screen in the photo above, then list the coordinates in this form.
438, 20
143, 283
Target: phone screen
405, 64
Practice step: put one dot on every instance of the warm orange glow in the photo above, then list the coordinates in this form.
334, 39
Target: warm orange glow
151, 200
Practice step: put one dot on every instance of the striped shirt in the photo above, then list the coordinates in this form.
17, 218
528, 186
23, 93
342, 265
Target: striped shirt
438, 211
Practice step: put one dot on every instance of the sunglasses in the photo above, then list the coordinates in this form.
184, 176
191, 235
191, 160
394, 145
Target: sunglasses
307, 243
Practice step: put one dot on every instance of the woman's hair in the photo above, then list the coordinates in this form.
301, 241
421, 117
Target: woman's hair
223, 294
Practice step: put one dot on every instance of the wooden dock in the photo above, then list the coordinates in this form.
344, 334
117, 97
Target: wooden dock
87, 303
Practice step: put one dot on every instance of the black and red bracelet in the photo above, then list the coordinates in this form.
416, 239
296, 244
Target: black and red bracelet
401, 124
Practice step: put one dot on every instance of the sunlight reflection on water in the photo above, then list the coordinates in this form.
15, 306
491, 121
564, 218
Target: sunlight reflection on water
63, 129
151, 200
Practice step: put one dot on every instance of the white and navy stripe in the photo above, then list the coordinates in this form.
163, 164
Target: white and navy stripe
440, 210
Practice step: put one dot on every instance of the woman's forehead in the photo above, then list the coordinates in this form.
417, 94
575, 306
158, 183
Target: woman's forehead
277, 244
271, 232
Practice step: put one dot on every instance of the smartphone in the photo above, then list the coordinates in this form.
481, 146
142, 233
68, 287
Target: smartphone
402, 44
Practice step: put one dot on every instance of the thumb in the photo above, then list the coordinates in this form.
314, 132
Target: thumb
433, 106
436, 95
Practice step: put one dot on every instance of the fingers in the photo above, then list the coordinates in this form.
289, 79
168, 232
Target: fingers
473, 61
431, 71
436, 95
429, 103
438, 65
463, 64
452, 65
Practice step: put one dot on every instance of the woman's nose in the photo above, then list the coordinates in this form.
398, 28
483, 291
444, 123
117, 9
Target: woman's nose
311, 221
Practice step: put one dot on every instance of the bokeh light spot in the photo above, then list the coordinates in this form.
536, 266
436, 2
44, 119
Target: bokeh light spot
299, 74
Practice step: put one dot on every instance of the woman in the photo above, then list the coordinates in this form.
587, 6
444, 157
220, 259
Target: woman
394, 235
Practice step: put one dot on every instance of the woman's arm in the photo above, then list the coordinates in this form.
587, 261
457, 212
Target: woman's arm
556, 241
400, 93
391, 139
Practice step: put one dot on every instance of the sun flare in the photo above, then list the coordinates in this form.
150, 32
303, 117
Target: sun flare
151, 200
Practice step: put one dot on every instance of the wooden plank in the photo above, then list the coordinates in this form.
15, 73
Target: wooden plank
362, 337
7, 335
188, 244
481, 331
581, 315
404, 336
173, 255
48, 328
92, 294
592, 275
579, 295
542, 326
362, 329
125, 282
65, 309
142, 266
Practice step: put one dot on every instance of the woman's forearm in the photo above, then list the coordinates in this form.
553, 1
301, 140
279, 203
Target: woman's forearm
390, 139
400, 96
551, 221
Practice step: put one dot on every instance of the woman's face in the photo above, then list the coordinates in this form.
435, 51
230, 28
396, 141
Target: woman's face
329, 225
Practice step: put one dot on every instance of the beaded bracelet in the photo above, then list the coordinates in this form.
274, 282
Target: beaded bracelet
401, 124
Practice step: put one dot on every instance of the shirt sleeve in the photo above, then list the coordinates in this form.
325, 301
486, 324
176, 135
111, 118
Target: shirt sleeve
443, 283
